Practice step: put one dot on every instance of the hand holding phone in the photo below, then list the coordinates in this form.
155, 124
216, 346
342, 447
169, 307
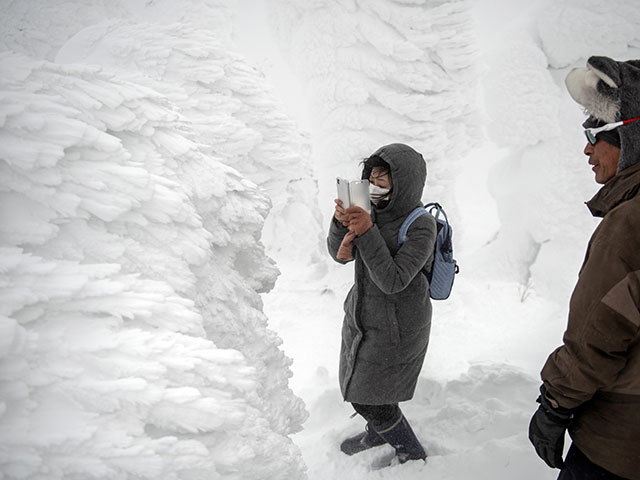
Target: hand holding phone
359, 221
340, 213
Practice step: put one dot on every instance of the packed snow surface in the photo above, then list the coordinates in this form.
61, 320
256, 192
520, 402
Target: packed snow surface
167, 170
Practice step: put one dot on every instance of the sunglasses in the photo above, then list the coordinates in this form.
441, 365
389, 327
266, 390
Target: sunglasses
591, 133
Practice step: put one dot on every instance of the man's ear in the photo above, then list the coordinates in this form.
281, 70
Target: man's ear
607, 69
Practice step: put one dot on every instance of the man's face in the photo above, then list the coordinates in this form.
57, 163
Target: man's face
604, 157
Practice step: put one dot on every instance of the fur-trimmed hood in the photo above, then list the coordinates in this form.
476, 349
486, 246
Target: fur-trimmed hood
609, 91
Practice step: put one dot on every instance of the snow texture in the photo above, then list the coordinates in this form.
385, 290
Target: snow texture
379, 72
537, 176
133, 339
235, 116
147, 169
186, 45
38, 29
520, 225
603, 29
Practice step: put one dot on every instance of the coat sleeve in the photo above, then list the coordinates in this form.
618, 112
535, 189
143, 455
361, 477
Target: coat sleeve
336, 233
392, 274
604, 320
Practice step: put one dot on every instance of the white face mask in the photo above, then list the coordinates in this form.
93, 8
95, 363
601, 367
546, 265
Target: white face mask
378, 194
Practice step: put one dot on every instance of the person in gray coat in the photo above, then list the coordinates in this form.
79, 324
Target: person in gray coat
387, 319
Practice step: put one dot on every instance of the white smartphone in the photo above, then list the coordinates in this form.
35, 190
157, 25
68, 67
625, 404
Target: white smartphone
359, 194
343, 191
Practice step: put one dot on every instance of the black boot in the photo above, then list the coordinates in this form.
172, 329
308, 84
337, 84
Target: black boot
363, 441
399, 435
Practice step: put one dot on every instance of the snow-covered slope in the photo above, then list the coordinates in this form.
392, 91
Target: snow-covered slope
134, 343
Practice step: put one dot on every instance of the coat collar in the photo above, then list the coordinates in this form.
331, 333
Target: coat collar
624, 186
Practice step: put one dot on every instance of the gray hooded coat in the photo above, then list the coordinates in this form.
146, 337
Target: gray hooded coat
387, 319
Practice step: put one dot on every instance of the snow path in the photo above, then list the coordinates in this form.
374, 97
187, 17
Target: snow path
471, 412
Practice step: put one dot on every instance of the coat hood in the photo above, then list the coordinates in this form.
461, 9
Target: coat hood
408, 177
609, 91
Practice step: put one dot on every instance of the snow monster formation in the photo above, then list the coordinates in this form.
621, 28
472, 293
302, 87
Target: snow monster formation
132, 338
231, 109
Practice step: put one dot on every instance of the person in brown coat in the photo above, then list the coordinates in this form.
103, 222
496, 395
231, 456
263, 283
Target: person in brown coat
591, 384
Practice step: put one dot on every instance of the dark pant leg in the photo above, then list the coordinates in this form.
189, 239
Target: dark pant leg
579, 467
389, 424
377, 414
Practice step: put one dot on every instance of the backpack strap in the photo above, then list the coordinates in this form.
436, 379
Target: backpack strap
430, 207
415, 213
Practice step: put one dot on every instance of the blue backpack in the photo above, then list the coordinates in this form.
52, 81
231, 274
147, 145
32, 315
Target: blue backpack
444, 267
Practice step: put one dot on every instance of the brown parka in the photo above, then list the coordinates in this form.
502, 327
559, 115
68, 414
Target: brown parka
597, 369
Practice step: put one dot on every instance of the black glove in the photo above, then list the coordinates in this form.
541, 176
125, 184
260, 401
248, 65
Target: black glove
547, 427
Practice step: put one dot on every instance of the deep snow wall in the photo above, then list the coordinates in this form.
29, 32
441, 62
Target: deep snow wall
133, 339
